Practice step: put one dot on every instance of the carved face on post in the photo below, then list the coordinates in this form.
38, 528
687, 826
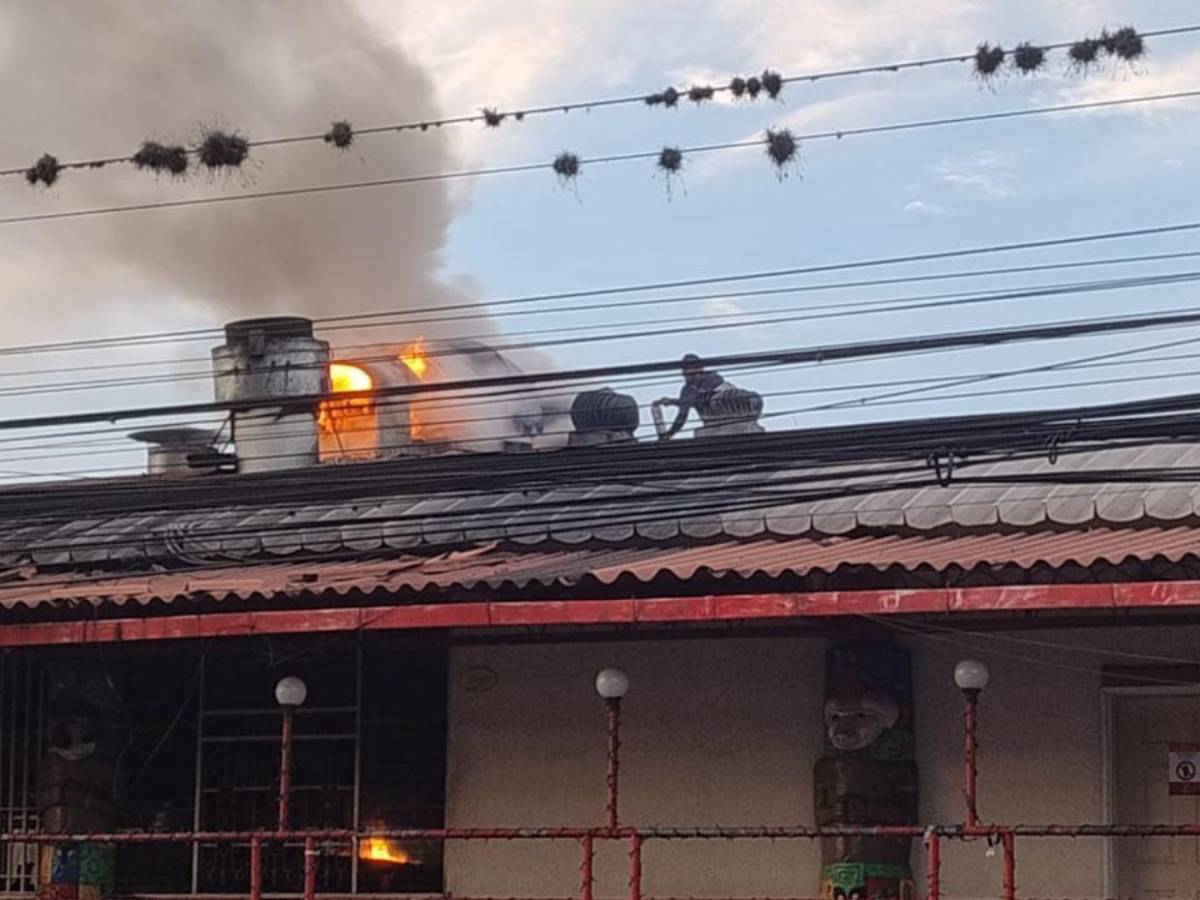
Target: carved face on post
854, 720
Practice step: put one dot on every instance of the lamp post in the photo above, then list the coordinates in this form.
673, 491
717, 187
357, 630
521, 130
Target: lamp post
290, 693
971, 676
612, 685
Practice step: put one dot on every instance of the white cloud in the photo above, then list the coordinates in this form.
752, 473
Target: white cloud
988, 173
723, 306
924, 208
1156, 76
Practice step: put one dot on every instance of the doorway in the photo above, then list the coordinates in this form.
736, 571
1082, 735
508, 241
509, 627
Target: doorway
1143, 725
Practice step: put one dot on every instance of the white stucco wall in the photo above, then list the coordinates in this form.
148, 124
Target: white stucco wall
726, 731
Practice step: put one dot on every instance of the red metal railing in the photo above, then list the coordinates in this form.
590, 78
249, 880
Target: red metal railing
317, 841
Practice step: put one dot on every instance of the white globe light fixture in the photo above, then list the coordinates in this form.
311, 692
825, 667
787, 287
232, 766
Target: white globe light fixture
612, 684
971, 676
291, 692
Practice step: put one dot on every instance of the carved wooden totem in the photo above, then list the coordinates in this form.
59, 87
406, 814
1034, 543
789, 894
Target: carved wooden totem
867, 775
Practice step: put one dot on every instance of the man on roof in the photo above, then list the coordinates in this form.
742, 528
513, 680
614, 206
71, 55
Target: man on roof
697, 392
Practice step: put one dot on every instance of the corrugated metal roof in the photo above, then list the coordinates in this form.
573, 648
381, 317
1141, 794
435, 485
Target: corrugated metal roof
395, 519
495, 566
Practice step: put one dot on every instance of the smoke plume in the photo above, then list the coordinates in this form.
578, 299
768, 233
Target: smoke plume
98, 78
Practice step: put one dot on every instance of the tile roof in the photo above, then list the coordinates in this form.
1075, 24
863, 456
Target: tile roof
389, 519
580, 569
393, 539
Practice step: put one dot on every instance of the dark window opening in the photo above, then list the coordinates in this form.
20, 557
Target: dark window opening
197, 733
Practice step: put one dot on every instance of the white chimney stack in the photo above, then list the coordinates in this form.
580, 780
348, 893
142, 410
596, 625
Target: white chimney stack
272, 359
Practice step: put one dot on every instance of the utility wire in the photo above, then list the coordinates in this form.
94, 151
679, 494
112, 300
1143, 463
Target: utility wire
343, 350
563, 513
696, 324
588, 161
102, 447
1152, 420
916, 386
1048, 331
643, 287
494, 116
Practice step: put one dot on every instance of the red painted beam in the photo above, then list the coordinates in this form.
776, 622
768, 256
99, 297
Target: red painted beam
734, 607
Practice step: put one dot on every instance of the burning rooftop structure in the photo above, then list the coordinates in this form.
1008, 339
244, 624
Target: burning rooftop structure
296, 402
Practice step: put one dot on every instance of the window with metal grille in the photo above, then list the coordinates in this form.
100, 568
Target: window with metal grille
200, 747
22, 692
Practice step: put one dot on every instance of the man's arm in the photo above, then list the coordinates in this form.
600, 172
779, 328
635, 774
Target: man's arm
684, 404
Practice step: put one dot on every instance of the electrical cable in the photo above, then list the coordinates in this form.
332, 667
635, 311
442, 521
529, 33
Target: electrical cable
488, 115
844, 309
1048, 331
923, 384
640, 155
490, 306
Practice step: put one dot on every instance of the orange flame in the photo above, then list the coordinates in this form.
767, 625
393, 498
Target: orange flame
381, 850
347, 427
414, 356
416, 359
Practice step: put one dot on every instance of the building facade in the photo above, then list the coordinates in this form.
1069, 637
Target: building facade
791, 667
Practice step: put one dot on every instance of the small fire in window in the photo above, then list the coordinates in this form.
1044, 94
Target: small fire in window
382, 850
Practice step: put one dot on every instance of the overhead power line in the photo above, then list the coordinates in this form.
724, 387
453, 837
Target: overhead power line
402, 320
96, 438
769, 84
673, 284
580, 162
645, 328
993, 337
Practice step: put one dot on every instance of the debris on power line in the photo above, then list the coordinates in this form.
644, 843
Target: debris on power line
670, 160
1027, 58
670, 163
566, 166
340, 134
492, 117
1083, 54
988, 60
737, 87
698, 93
772, 83
223, 149
669, 97
158, 158
1124, 43
782, 148
45, 170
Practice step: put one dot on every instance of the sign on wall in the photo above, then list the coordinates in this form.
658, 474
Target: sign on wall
1184, 777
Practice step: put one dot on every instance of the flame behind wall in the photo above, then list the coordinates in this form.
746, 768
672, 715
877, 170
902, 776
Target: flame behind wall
365, 427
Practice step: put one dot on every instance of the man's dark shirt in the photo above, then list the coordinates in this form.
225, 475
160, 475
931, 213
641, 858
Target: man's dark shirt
694, 395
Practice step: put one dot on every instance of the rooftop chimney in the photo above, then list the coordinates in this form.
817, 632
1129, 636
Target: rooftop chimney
271, 360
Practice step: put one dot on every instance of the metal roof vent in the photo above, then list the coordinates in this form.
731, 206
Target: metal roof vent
603, 417
179, 452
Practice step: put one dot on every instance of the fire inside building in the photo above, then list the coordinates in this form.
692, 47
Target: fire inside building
361, 644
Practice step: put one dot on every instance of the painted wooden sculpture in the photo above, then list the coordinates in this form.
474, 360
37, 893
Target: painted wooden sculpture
867, 775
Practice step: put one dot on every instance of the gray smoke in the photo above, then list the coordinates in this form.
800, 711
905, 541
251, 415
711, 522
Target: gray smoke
96, 78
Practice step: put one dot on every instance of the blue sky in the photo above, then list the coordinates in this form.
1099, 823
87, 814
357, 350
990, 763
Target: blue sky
861, 197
